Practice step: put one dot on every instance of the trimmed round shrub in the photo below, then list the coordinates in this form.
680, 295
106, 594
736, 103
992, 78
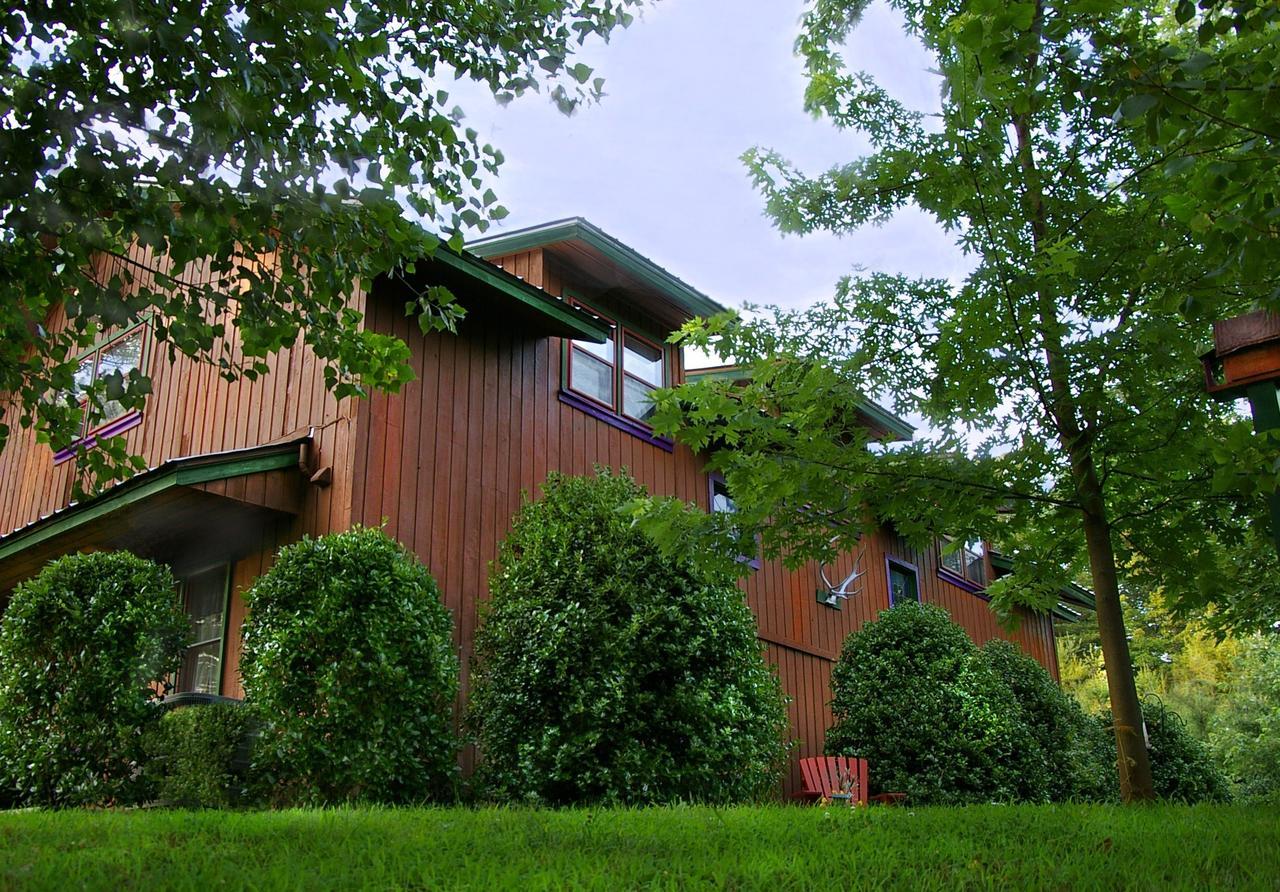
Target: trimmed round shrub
1071, 759
1181, 766
83, 648
609, 672
349, 661
199, 756
912, 695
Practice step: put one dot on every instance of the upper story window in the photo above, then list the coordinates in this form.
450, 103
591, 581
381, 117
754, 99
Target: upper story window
108, 366
620, 374
967, 559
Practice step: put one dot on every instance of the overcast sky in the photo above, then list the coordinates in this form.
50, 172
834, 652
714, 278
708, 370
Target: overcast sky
690, 86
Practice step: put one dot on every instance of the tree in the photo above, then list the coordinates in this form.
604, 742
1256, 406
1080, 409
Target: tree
609, 672
276, 141
1059, 378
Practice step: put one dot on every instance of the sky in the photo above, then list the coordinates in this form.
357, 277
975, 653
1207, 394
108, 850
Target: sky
689, 87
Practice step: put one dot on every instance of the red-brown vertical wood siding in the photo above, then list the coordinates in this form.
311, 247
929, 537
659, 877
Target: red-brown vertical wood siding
443, 464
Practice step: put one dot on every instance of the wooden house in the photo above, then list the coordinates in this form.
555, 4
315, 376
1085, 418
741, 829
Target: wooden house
564, 336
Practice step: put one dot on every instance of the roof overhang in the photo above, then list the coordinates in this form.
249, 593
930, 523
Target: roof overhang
487, 290
186, 510
597, 244
878, 418
1073, 599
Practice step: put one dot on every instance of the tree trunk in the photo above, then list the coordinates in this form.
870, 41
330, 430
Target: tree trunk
1126, 713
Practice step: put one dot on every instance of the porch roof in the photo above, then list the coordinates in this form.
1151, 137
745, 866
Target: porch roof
185, 506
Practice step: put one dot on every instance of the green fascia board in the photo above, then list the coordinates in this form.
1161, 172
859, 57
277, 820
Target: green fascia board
1071, 593
583, 325
873, 410
576, 228
177, 472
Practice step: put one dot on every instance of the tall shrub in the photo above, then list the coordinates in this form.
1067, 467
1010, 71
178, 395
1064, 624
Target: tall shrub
912, 694
1245, 734
82, 646
1072, 758
349, 661
608, 672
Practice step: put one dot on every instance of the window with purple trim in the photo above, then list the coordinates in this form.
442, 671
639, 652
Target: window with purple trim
903, 584
615, 381
964, 559
722, 503
107, 366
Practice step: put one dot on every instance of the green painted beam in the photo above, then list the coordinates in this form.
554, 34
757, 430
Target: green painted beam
179, 472
1264, 400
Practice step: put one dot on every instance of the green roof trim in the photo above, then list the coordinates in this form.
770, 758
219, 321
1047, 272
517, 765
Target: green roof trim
582, 325
176, 472
578, 229
1077, 596
873, 410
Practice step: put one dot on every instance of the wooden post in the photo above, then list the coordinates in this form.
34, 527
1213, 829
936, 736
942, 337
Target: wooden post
1264, 400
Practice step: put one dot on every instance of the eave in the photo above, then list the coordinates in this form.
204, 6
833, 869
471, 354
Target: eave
576, 229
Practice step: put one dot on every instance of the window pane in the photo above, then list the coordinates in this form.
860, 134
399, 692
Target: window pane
84, 375
123, 356
201, 669
601, 351
975, 566
589, 375
642, 359
721, 503
953, 561
637, 399
902, 585
205, 599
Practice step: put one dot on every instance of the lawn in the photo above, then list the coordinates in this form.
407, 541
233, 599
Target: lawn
989, 847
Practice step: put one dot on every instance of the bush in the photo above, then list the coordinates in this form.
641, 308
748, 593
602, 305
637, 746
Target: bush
81, 647
1181, 767
198, 756
349, 660
608, 672
1245, 734
912, 695
1072, 759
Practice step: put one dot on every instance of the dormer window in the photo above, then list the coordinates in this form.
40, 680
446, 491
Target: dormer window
966, 560
621, 374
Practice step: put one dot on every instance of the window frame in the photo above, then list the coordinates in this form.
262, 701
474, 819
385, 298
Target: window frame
889, 563
130, 418
713, 478
226, 567
960, 578
614, 414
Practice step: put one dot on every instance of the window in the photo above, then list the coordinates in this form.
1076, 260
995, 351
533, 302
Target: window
967, 560
903, 585
722, 503
108, 365
620, 374
204, 597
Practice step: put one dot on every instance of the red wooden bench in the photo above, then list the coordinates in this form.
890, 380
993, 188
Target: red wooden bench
839, 777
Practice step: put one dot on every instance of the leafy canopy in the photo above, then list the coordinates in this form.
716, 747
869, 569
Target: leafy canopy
278, 142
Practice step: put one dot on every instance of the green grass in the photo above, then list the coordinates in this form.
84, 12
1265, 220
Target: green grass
989, 847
